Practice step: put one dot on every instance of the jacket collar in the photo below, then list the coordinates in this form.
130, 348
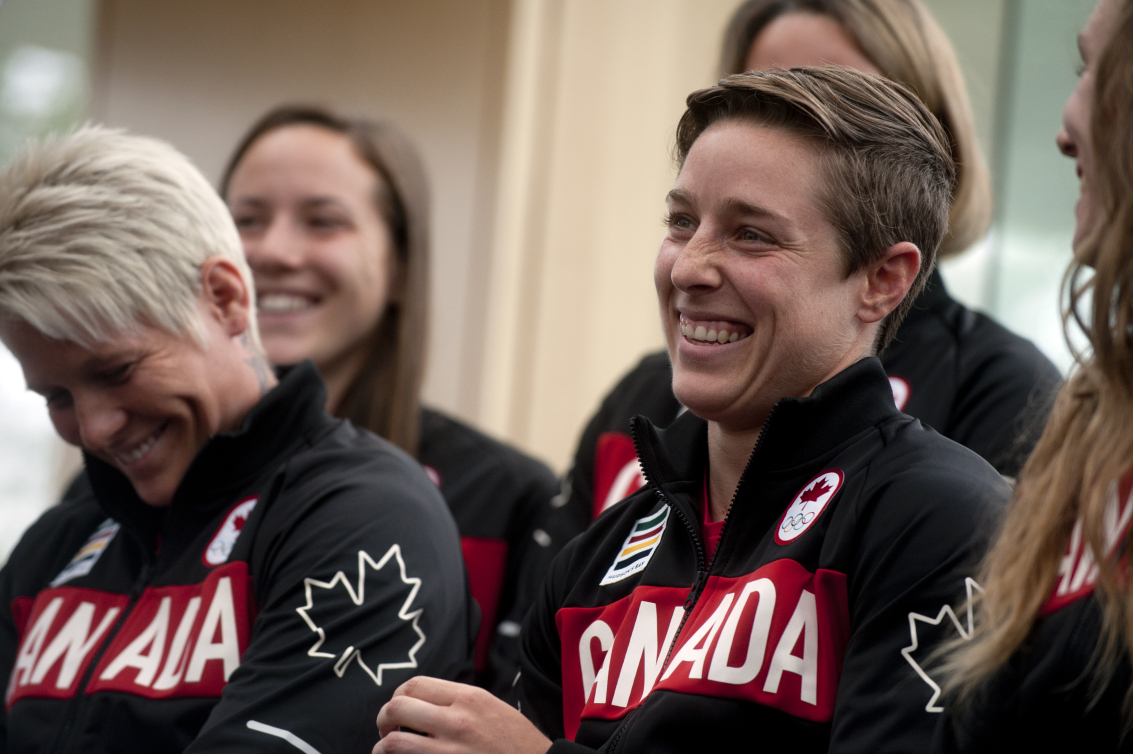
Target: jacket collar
797, 431
289, 416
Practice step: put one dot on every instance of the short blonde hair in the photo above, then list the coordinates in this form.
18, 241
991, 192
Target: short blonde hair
907, 45
102, 232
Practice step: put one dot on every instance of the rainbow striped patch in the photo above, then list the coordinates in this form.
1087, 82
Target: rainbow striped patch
639, 546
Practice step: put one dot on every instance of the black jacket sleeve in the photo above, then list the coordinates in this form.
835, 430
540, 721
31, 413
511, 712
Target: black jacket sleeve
536, 537
920, 541
358, 589
1004, 400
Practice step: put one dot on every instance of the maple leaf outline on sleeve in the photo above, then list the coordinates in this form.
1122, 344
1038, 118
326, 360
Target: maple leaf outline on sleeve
970, 586
358, 596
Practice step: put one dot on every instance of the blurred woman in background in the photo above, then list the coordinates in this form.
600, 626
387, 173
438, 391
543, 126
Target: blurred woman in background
334, 217
1049, 665
956, 370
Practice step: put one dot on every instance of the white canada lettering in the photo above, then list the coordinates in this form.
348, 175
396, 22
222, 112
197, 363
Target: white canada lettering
737, 643
696, 648
32, 644
133, 656
221, 614
76, 641
605, 636
1070, 559
720, 670
804, 621
643, 652
177, 657
175, 641
1078, 568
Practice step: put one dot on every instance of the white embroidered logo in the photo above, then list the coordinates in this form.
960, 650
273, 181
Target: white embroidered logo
358, 596
225, 538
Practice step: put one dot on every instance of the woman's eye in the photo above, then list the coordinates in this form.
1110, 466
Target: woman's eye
246, 222
679, 221
117, 376
326, 223
58, 399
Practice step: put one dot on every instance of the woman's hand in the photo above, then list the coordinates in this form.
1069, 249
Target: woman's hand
453, 718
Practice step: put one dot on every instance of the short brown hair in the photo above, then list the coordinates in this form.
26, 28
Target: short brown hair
889, 173
907, 45
385, 396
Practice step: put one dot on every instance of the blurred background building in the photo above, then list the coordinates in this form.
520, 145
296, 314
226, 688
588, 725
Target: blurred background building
547, 128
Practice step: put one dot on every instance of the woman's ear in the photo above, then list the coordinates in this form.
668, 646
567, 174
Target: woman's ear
226, 295
888, 280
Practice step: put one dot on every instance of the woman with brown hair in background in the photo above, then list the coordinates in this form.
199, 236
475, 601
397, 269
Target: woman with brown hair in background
956, 370
334, 217
1049, 665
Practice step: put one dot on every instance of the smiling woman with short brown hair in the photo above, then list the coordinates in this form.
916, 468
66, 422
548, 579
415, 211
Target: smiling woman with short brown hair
760, 588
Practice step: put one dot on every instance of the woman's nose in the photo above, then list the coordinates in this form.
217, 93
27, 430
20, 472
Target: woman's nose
99, 420
277, 247
695, 268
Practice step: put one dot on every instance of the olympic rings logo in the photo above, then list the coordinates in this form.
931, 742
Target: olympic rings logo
797, 521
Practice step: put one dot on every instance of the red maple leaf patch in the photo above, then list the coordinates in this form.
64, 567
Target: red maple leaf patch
817, 490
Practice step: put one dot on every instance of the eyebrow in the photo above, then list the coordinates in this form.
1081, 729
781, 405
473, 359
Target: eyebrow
731, 205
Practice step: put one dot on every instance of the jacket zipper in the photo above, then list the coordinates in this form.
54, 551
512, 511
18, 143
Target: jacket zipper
63, 740
702, 573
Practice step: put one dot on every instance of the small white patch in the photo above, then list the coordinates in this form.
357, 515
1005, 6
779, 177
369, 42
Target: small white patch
225, 538
642, 541
901, 391
542, 537
808, 505
508, 628
89, 553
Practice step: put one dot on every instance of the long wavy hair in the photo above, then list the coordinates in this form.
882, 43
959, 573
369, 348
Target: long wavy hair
907, 45
1088, 444
384, 397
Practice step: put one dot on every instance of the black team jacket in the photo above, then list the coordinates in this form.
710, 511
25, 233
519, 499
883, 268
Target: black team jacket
501, 500
302, 572
956, 370
852, 530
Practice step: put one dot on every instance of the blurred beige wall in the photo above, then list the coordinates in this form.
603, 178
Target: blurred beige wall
198, 73
595, 89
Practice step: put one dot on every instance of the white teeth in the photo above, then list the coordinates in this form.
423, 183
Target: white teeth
703, 334
128, 458
282, 303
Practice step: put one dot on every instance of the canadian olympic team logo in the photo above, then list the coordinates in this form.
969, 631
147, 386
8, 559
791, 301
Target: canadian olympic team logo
808, 505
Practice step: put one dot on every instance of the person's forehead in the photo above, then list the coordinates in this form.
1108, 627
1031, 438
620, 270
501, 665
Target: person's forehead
739, 156
302, 158
1093, 36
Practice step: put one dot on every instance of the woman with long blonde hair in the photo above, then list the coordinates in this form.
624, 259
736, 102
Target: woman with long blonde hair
1049, 664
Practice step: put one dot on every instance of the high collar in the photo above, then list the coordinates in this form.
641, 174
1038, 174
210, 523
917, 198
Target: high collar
288, 416
797, 430
932, 297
